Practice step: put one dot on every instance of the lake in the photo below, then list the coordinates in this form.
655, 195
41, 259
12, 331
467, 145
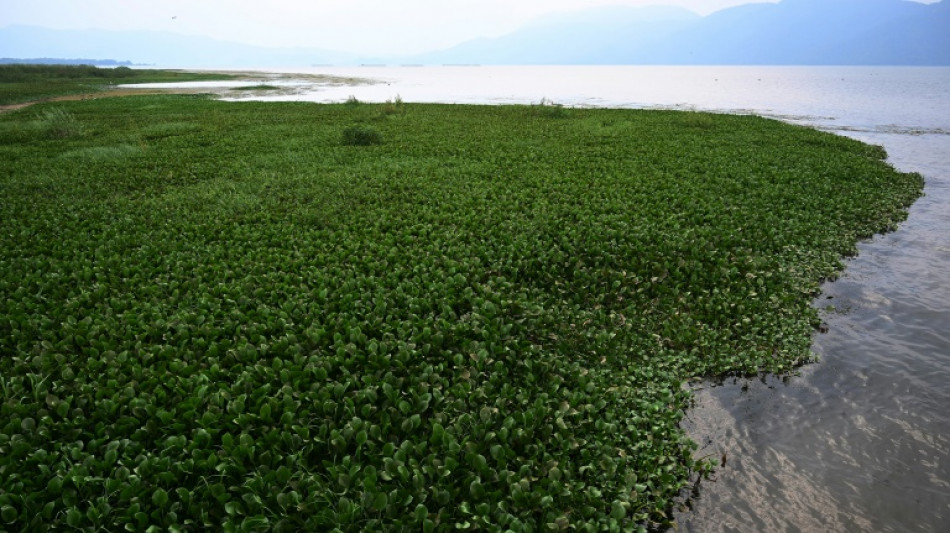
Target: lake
861, 440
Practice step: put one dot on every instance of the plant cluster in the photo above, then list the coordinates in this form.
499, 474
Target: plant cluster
57, 123
214, 315
23, 82
258, 87
361, 135
550, 109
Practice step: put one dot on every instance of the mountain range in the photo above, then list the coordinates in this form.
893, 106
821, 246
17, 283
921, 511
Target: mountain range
791, 32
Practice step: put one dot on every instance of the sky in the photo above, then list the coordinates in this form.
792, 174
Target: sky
359, 26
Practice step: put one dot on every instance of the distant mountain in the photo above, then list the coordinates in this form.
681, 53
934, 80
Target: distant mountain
156, 48
596, 36
62, 61
791, 32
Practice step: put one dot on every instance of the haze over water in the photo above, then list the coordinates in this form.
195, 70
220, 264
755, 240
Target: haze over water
861, 440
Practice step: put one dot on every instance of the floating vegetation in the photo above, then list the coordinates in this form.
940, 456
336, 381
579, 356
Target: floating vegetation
259, 87
359, 135
484, 323
103, 152
166, 129
57, 123
548, 109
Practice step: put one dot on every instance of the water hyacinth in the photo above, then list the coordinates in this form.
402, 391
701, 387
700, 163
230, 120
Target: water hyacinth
235, 321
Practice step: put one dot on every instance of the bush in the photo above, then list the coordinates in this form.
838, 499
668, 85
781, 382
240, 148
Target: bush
361, 136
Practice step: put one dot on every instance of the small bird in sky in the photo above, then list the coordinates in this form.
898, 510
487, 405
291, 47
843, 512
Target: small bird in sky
174, 17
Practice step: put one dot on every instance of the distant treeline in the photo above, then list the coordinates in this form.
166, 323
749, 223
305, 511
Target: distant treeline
26, 72
60, 61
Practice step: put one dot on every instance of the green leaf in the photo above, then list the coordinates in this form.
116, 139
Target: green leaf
283, 474
380, 500
420, 513
255, 523
438, 434
74, 517
476, 489
160, 497
8, 514
617, 510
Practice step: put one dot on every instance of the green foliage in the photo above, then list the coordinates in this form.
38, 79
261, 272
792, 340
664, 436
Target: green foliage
23, 83
26, 72
393, 107
230, 323
258, 87
99, 153
360, 135
693, 119
548, 109
57, 123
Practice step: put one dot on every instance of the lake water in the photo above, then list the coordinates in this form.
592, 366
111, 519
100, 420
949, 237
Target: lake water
861, 440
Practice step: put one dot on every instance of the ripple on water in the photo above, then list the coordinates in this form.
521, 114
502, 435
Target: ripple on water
861, 440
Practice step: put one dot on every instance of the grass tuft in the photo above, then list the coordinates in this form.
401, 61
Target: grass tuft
549, 109
359, 135
57, 123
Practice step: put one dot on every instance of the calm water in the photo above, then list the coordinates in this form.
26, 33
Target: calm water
861, 440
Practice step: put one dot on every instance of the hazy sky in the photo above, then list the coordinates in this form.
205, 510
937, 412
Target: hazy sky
362, 26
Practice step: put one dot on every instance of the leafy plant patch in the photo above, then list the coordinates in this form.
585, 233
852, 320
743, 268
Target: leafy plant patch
483, 324
24, 83
359, 135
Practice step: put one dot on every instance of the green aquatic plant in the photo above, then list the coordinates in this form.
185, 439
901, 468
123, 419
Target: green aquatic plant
360, 135
98, 153
393, 107
549, 109
258, 87
57, 123
484, 323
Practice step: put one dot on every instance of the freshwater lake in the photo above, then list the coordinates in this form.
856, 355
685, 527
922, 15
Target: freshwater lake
859, 441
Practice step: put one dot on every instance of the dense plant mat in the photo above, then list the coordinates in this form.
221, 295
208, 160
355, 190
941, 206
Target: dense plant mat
23, 83
224, 315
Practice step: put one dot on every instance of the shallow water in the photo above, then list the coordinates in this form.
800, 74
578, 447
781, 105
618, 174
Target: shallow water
861, 440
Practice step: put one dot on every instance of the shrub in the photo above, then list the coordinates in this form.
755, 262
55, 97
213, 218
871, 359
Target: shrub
361, 136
